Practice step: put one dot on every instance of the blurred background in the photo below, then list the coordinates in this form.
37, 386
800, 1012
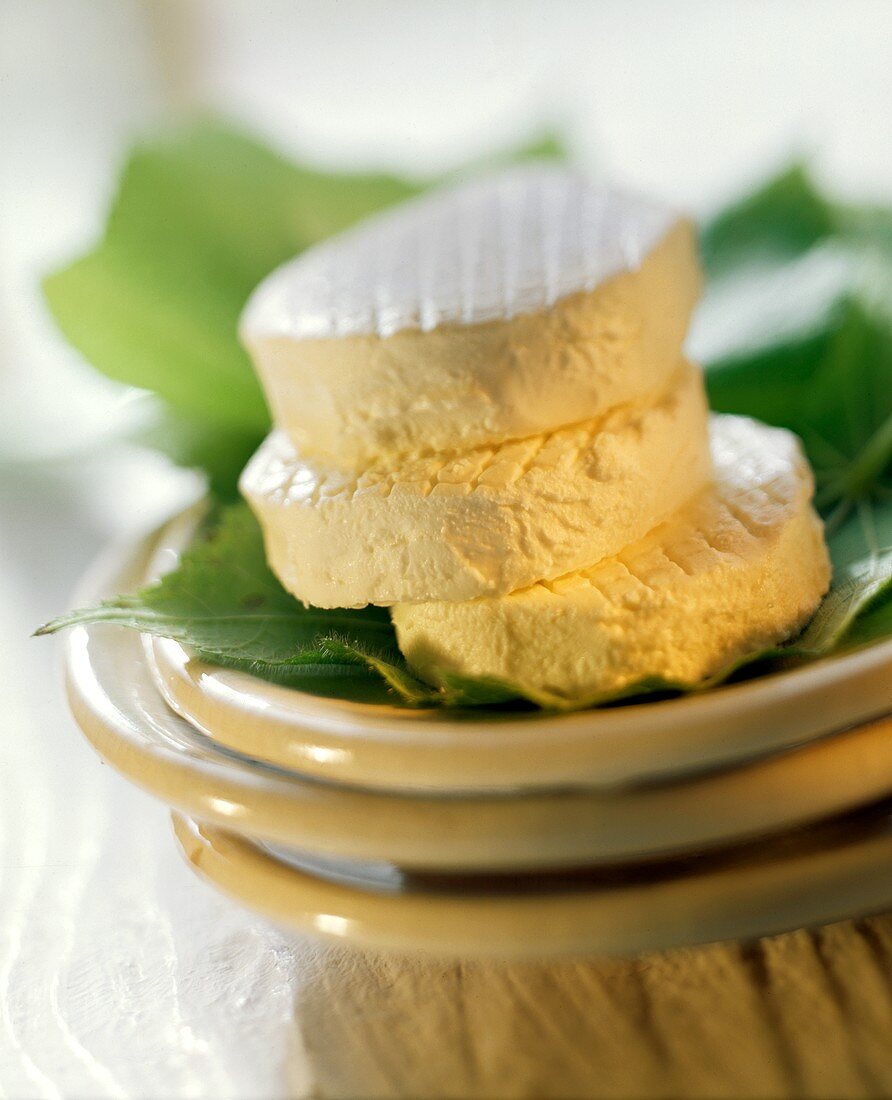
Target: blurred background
689, 99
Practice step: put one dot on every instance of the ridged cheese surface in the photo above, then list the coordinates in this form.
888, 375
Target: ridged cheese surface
741, 567
484, 251
481, 313
484, 521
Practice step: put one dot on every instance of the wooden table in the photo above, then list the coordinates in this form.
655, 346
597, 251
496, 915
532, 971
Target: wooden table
807, 1014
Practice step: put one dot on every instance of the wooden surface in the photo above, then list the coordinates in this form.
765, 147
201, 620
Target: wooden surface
121, 975
803, 1015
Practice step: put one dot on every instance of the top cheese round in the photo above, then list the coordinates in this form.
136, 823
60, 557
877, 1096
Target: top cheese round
482, 313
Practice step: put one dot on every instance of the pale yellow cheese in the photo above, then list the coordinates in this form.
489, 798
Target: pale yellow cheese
491, 311
484, 521
741, 567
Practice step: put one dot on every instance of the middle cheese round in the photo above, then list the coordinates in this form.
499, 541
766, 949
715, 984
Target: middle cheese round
483, 522
482, 312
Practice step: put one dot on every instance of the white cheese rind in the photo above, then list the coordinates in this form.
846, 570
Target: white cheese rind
741, 567
482, 522
482, 313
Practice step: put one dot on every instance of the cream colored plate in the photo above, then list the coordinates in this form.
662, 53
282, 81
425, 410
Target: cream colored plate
399, 749
817, 876
123, 715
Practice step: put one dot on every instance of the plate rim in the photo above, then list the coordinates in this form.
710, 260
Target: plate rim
121, 713
491, 832
841, 881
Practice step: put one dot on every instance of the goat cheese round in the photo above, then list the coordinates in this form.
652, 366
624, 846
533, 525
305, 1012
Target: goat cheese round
483, 521
489, 311
741, 567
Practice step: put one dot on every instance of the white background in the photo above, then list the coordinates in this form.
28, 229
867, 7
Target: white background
119, 974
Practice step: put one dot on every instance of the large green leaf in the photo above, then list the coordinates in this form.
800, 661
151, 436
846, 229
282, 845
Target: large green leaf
861, 551
785, 216
828, 377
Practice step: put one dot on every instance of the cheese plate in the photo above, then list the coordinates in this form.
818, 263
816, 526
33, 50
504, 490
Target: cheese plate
396, 748
124, 716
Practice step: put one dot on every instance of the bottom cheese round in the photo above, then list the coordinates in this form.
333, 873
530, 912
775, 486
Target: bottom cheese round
740, 567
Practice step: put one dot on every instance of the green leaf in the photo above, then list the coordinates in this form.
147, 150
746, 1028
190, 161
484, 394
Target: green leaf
223, 602
198, 220
816, 357
874, 622
861, 551
828, 378
782, 218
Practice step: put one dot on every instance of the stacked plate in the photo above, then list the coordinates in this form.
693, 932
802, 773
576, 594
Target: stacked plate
748, 810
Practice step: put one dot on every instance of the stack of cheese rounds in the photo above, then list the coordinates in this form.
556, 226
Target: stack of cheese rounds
485, 420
